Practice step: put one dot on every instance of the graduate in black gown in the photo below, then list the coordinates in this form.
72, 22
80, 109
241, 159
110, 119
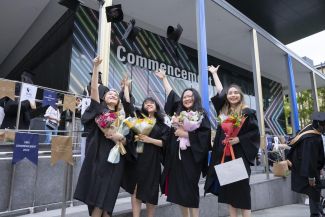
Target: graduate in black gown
183, 168
245, 145
142, 173
99, 180
307, 160
11, 107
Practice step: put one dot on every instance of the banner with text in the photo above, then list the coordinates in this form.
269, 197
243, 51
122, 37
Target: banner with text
25, 146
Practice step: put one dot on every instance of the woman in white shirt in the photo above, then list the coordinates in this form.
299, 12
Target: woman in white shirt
52, 116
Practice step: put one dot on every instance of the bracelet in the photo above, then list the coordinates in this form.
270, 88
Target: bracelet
312, 179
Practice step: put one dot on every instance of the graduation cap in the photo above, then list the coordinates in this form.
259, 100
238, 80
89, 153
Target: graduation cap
174, 34
114, 13
131, 31
102, 90
318, 116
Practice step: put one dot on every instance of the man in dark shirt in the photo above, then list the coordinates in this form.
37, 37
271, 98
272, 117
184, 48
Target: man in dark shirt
307, 158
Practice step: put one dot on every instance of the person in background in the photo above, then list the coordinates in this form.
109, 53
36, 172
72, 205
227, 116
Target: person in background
10, 107
306, 158
52, 116
78, 107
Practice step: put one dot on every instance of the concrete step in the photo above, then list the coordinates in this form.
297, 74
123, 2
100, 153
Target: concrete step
266, 193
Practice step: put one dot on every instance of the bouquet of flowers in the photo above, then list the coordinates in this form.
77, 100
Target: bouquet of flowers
120, 127
105, 120
112, 121
142, 126
231, 126
189, 121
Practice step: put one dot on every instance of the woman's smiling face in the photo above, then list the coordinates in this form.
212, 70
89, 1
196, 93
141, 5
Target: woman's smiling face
188, 99
233, 96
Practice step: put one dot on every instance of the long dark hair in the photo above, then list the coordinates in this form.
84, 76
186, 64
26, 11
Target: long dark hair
197, 105
158, 114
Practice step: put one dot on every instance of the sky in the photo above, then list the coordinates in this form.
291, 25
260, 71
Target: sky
312, 47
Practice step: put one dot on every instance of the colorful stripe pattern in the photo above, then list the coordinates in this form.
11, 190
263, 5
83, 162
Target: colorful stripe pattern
275, 109
83, 48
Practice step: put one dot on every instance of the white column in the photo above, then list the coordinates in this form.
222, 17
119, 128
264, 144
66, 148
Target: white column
314, 91
256, 67
104, 38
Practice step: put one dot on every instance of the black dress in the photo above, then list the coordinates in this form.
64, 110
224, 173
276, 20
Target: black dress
236, 194
183, 175
307, 157
10, 108
99, 181
144, 171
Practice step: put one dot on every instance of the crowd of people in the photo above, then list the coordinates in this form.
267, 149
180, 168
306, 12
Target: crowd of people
140, 173
56, 120
174, 155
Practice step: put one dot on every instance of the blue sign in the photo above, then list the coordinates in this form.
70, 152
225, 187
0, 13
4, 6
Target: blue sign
26, 146
49, 98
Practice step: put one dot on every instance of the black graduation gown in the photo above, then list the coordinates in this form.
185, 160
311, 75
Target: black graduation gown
184, 175
236, 194
307, 157
145, 170
10, 108
99, 181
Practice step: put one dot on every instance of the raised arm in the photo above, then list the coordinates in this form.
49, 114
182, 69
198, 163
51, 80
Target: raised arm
126, 98
217, 82
162, 75
94, 79
126, 89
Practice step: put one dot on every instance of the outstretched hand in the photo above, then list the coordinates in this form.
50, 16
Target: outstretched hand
126, 82
160, 73
97, 61
213, 70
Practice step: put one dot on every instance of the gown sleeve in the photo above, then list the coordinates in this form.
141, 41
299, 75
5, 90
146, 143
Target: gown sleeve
164, 137
173, 101
200, 140
128, 107
94, 109
219, 100
250, 140
11, 107
130, 147
309, 158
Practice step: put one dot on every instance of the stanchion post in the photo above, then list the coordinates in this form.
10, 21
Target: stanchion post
13, 170
34, 192
73, 147
258, 87
66, 172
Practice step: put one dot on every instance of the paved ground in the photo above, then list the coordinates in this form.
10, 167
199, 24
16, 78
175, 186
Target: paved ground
294, 210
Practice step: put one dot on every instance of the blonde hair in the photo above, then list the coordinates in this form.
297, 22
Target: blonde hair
226, 108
